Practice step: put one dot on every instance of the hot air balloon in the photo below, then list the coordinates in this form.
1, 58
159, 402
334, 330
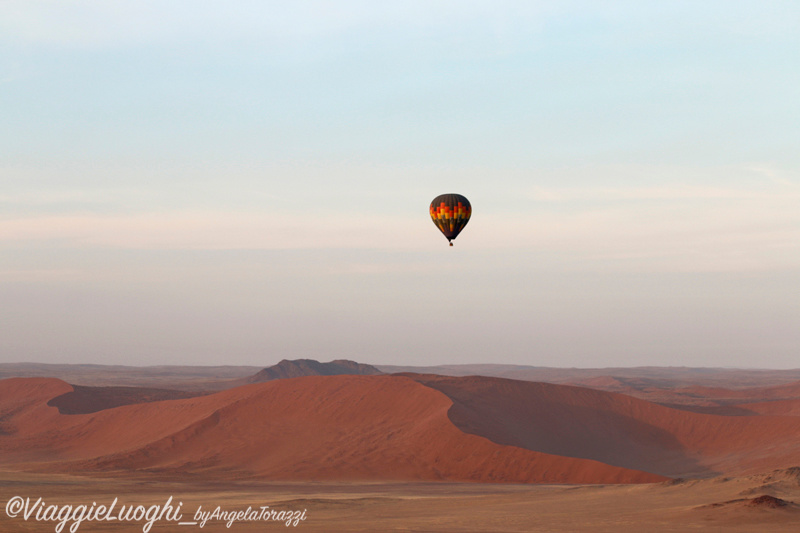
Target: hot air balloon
450, 213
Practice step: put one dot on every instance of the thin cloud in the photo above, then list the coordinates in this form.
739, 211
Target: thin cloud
92, 23
206, 231
674, 236
669, 192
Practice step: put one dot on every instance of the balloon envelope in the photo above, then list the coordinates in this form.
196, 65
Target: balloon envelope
450, 213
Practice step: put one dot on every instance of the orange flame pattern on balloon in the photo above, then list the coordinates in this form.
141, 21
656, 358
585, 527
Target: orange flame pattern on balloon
450, 213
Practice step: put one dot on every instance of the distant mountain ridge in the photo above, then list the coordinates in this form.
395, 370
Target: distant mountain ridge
629, 380
309, 367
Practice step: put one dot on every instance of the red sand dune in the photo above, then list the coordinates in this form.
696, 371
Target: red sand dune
23, 403
618, 429
396, 427
311, 428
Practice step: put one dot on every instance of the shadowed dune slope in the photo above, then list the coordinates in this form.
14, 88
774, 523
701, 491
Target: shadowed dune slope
786, 391
717, 400
617, 429
776, 407
311, 428
82, 399
695, 398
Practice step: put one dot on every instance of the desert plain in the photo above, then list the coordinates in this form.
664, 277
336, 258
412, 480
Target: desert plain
362, 448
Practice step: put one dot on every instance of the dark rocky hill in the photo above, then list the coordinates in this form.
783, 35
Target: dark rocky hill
309, 367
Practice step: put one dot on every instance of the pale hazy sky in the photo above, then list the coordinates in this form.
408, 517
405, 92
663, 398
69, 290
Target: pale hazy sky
238, 182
